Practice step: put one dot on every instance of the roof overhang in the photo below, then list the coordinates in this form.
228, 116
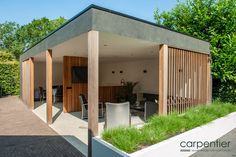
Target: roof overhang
104, 20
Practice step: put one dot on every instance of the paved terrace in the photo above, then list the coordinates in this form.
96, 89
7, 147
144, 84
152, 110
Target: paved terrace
71, 124
22, 133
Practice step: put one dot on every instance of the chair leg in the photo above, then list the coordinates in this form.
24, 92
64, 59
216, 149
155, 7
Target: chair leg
82, 114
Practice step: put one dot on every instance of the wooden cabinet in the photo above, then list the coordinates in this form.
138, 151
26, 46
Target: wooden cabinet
109, 93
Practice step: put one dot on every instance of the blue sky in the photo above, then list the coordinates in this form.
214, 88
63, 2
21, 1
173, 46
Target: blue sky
24, 11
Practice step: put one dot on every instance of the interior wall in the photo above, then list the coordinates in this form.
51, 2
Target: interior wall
40, 74
132, 71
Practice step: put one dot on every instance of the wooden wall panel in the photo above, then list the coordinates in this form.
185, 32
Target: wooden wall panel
188, 79
108, 93
71, 91
27, 82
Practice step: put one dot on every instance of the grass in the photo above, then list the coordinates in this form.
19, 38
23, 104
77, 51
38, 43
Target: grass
159, 128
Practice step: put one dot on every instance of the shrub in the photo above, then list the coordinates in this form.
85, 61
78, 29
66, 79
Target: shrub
5, 56
9, 74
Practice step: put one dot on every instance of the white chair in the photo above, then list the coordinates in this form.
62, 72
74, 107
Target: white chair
117, 114
84, 107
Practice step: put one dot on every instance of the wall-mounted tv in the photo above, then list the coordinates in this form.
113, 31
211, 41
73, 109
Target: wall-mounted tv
79, 74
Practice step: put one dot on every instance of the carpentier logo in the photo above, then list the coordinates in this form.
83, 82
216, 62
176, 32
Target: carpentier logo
218, 145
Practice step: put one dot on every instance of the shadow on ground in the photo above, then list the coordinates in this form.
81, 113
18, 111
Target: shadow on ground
37, 146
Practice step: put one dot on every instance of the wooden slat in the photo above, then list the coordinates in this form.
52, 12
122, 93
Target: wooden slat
184, 81
188, 76
93, 66
177, 79
172, 79
208, 81
201, 79
205, 78
163, 76
191, 79
49, 85
168, 84
169, 79
180, 81
198, 79
194, 77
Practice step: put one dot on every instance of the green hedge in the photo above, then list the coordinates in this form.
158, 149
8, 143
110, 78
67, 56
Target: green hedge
10, 77
6, 56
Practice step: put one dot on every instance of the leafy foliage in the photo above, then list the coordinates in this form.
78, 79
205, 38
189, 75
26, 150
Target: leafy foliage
4, 56
9, 74
215, 21
16, 39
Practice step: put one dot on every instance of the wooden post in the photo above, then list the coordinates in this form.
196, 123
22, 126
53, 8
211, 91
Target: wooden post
209, 81
93, 57
163, 78
49, 85
31, 63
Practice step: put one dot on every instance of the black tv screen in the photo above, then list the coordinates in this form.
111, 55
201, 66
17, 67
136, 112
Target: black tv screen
79, 74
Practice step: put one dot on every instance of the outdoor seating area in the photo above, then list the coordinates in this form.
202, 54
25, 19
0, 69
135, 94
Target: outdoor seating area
40, 94
143, 107
73, 124
111, 115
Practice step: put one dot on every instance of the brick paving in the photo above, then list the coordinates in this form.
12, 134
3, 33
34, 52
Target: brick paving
23, 134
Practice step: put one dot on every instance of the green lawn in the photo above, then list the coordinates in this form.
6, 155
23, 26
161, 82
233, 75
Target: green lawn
160, 128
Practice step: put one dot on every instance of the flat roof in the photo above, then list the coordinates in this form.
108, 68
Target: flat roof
102, 19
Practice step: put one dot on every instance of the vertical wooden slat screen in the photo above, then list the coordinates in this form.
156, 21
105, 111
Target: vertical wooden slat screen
187, 79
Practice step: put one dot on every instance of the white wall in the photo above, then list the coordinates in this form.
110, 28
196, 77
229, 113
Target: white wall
132, 71
40, 74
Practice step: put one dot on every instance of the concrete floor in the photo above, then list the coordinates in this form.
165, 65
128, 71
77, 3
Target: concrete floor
22, 134
71, 124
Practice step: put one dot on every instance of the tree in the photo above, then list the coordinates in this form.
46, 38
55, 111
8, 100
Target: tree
7, 34
16, 39
214, 21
